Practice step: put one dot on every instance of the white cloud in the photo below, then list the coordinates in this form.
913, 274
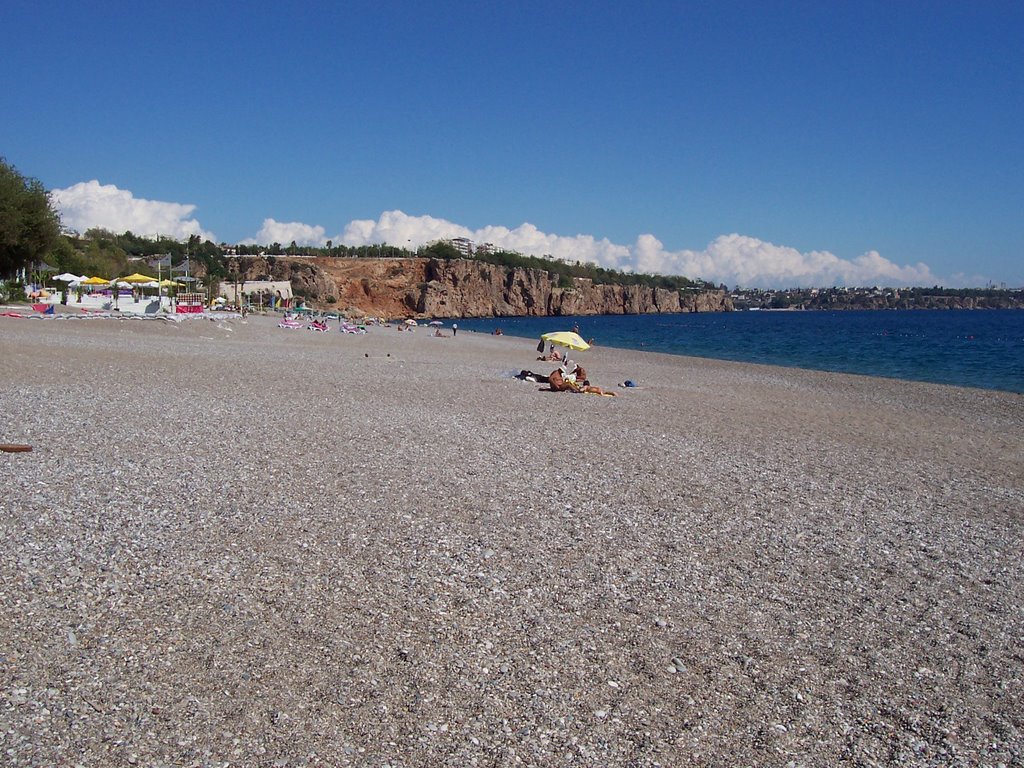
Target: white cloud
527, 239
750, 262
397, 228
731, 259
285, 232
90, 204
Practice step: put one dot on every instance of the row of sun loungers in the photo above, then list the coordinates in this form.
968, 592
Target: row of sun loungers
320, 326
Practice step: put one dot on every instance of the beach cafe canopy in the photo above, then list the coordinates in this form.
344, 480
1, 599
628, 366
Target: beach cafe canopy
138, 278
566, 339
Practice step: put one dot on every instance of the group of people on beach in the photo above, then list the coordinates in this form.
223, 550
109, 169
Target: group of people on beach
568, 377
573, 378
553, 356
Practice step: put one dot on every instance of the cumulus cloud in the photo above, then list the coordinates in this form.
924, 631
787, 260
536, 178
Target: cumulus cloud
731, 259
287, 231
741, 260
90, 204
398, 228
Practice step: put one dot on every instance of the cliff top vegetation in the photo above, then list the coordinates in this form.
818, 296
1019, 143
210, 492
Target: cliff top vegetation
107, 254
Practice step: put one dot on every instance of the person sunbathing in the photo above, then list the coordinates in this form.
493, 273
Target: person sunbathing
590, 389
559, 383
525, 375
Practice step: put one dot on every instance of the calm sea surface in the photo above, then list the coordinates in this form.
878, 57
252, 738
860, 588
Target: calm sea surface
966, 348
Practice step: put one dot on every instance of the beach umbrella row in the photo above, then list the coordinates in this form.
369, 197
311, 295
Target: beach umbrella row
71, 277
137, 280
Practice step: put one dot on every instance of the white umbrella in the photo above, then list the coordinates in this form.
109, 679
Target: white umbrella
410, 321
67, 277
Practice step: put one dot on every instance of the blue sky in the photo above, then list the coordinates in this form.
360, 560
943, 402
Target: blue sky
748, 143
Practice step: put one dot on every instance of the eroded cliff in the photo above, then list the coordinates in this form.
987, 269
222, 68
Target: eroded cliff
464, 288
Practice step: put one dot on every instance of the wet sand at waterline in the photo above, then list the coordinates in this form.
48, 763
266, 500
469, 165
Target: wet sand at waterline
237, 544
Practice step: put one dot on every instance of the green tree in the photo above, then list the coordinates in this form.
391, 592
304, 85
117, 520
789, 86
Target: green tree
66, 258
29, 226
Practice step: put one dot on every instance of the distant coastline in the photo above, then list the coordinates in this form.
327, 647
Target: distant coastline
834, 299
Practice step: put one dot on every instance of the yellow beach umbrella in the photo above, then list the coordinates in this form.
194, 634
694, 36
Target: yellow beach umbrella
138, 278
169, 283
566, 339
96, 281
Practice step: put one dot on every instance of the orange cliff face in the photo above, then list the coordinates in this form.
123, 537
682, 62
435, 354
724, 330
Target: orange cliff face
376, 287
394, 288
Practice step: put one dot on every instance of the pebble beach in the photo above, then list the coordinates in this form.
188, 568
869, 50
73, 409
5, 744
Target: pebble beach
234, 544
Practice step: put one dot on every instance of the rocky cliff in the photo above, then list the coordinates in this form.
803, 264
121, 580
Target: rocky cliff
464, 288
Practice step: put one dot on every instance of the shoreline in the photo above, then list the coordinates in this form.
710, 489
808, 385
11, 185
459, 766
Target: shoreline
1001, 386
236, 543
713, 337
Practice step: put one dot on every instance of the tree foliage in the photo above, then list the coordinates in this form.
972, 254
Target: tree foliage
106, 254
29, 227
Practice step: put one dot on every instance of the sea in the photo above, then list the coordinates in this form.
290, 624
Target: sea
967, 348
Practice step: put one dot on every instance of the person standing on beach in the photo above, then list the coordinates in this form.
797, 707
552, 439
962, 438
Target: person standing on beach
455, 329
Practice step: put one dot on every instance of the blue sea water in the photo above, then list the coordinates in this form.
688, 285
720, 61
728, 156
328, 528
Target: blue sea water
982, 349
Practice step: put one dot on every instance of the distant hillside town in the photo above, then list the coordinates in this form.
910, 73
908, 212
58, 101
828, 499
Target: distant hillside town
878, 298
